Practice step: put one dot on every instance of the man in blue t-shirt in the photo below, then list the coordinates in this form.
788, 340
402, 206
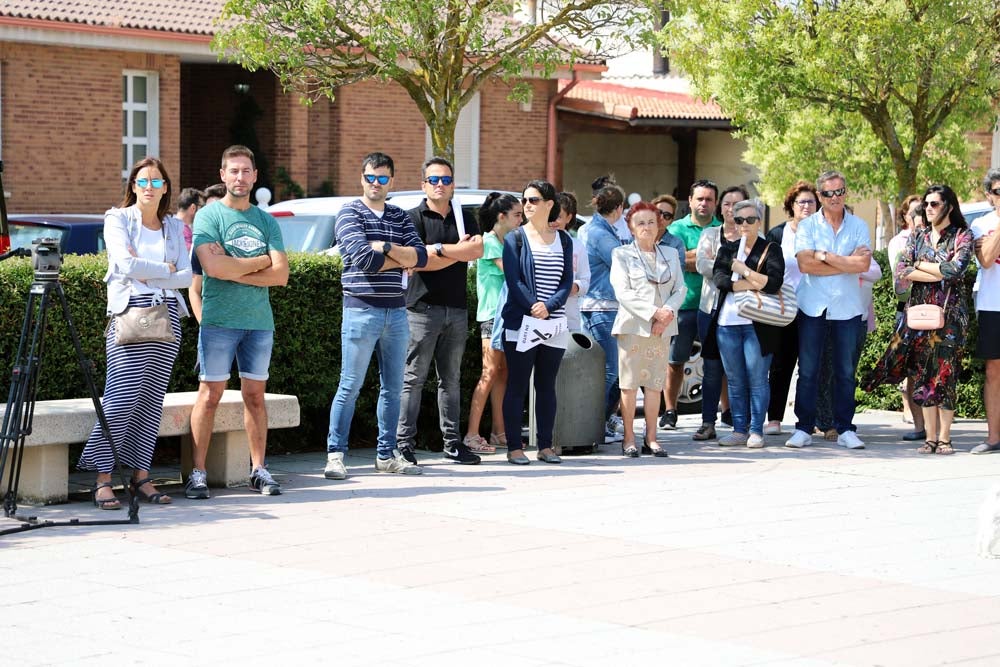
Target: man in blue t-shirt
377, 242
242, 255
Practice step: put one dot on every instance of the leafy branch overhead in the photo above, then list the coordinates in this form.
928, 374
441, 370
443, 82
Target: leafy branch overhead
910, 70
440, 51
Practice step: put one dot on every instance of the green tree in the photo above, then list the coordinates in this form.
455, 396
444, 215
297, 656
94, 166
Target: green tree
440, 51
886, 87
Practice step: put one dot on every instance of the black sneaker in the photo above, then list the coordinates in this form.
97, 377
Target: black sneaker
408, 454
727, 418
669, 420
262, 482
462, 454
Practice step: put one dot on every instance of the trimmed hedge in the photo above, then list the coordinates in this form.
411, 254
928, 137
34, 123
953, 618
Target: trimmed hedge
305, 361
970, 386
306, 358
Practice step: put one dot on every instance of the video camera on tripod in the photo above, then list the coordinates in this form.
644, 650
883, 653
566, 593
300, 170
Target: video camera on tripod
45, 291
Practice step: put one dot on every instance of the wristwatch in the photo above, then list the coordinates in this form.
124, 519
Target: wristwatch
822, 255
386, 247
438, 249
746, 273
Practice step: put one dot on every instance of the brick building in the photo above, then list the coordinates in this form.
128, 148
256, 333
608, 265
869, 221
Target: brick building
88, 87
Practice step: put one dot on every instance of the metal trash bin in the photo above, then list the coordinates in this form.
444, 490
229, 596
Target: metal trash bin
579, 425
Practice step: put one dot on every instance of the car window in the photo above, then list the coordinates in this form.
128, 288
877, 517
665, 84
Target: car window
21, 234
307, 233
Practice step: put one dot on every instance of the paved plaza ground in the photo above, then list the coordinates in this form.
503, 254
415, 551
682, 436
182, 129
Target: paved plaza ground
812, 557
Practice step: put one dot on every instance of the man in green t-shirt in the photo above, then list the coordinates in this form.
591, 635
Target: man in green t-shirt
703, 199
242, 255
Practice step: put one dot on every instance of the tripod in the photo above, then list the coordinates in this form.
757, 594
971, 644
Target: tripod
17, 420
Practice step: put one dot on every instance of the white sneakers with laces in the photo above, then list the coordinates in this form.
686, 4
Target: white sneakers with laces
850, 440
799, 439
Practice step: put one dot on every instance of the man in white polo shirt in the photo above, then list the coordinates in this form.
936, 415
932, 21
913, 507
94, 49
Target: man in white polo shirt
985, 231
832, 247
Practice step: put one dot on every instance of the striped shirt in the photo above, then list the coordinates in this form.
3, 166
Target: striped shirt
363, 282
548, 271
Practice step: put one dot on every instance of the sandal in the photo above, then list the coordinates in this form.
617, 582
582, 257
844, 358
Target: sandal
944, 447
111, 503
929, 447
831, 434
151, 498
630, 450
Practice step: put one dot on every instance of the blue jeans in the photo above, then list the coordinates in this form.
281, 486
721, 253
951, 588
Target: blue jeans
437, 333
711, 381
746, 370
385, 332
598, 324
813, 335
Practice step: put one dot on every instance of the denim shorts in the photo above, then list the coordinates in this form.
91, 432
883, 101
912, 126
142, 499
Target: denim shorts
218, 346
687, 333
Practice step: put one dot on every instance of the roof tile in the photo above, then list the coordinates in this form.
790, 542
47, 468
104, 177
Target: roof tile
629, 103
184, 16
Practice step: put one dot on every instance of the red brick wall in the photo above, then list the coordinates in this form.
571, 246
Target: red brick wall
62, 125
981, 158
373, 116
512, 142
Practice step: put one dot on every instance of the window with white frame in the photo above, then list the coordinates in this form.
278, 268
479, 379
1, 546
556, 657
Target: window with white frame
140, 117
466, 145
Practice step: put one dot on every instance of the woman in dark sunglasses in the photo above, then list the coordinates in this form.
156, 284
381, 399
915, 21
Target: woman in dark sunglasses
746, 346
932, 268
147, 263
538, 269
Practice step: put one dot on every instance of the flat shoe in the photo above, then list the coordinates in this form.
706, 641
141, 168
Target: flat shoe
549, 458
914, 436
521, 460
985, 448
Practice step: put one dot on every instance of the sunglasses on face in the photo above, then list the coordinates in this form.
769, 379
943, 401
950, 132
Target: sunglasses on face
145, 182
752, 220
839, 192
382, 180
666, 215
534, 201
443, 180
994, 191
933, 204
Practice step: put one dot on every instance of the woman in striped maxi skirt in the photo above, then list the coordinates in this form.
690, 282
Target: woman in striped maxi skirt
147, 263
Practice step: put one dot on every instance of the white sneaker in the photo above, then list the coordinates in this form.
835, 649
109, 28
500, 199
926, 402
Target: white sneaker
733, 440
773, 428
397, 464
335, 466
755, 441
799, 439
850, 440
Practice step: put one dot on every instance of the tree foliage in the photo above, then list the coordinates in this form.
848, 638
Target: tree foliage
895, 82
440, 51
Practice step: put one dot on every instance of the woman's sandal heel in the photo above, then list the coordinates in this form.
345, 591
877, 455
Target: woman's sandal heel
111, 503
944, 447
151, 498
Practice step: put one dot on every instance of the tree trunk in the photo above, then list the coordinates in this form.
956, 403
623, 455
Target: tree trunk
443, 136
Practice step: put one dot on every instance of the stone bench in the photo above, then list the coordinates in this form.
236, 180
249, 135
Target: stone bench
45, 465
